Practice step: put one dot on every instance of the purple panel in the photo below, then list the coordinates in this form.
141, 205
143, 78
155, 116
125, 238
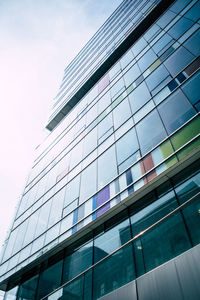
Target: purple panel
103, 209
103, 196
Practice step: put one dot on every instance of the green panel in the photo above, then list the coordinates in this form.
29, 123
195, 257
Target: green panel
170, 162
154, 65
130, 88
189, 148
166, 149
102, 115
116, 102
186, 133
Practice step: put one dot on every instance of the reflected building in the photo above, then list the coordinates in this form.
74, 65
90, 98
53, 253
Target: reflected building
111, 208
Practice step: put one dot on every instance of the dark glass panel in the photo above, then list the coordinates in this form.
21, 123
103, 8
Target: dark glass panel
146, 60
78, 261
180, 27
126, 146
139, 97
175, 111
193, 43
194, 12
150, 132
191, 213
114, 272
110, 240
164, 241
178, 60
191, 88
27, 290
157, 77
49, 280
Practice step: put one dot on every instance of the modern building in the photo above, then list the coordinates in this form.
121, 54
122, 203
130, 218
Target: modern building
111, 209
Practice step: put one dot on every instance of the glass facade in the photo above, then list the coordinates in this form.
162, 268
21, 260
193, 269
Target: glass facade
136, 123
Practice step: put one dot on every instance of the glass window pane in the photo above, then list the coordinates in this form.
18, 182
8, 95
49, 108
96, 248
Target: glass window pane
178, 61
131, 75
49, 280
175, 111
126, 146
139, 46
121, 113
126, 59
117, 89
105, 125
139, 97
164, 241
159, 75
72, 190
153, 212
90, 142
191, 88
88, 182
146, 60
180, 27
78, 261
150, 132
104, 102
110, 240
27, 290
107, 160
114, 272
193, 44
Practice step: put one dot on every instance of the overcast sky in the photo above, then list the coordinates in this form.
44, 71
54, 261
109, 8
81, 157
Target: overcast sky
38, 38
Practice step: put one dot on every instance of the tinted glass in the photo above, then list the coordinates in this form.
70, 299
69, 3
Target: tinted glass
150, 131
139, 97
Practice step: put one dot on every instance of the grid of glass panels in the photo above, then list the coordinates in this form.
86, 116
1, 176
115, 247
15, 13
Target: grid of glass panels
151, 244
109, 37
124, 127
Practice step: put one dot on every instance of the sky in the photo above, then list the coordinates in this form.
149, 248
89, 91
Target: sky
38, 38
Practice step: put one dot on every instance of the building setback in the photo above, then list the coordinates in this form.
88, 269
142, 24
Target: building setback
111, 208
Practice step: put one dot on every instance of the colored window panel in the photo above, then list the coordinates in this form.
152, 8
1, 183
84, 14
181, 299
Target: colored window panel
88, 182
175, 111
186, 133
102, 197
131, 75
121, 113
191, 88
192, 67
107, 161
139, 97
178, 61
146, 60
150, 131
126, 146
103, 83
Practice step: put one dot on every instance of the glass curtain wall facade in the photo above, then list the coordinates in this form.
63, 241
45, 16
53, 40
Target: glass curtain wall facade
114, 189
